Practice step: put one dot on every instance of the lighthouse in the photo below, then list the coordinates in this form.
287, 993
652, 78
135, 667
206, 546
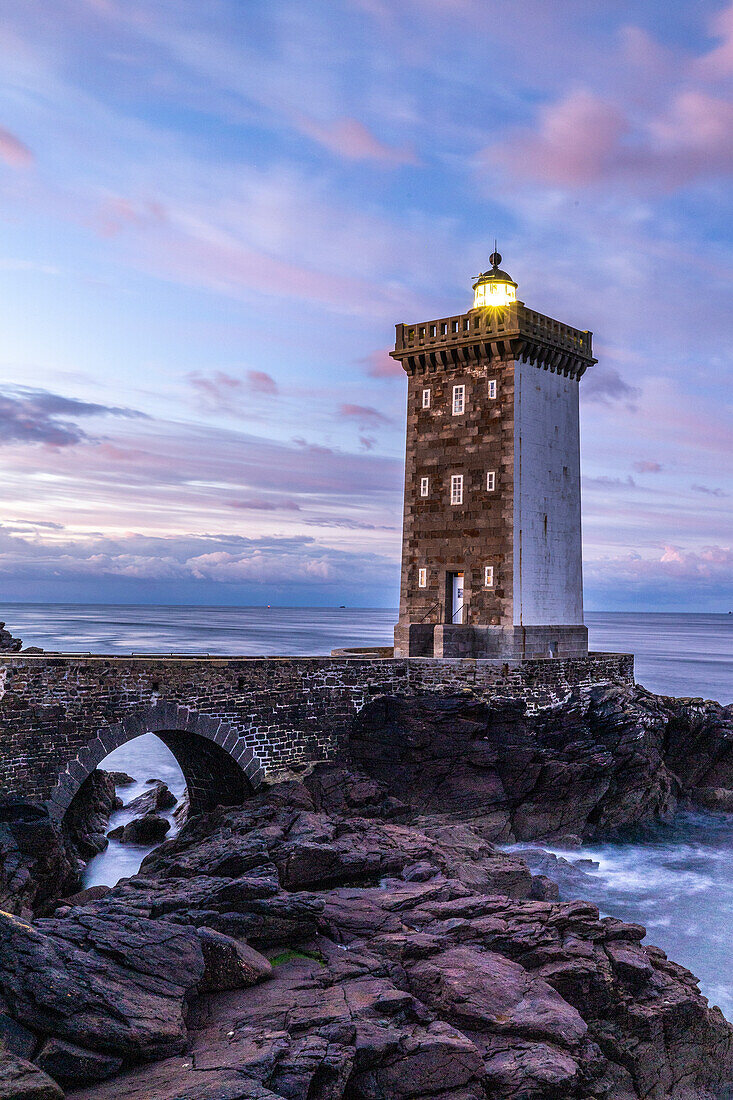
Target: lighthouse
491, 545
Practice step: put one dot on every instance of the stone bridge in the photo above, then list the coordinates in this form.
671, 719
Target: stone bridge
231, 722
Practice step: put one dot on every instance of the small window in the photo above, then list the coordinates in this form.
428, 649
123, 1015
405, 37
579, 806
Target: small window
454, 326
424, 486
444, 329
459, 400
433, 330
422, 578
456, 489
426, 399
492, 390
491, 481
488, 576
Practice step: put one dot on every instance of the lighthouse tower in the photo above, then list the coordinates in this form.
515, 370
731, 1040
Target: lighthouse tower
491, 548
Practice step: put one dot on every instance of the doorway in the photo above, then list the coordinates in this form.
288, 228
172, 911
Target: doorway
455, 597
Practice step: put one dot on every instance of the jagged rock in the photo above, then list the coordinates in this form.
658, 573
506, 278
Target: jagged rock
116, 984
148, 829
158, 797
36, 865
409, 957
230, 963
21, 1080
121, 779
181, 812
9, 644
85, 821
70, 1065
610, 756
713, 798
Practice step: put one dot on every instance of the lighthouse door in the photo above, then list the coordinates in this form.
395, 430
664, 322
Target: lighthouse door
457, 598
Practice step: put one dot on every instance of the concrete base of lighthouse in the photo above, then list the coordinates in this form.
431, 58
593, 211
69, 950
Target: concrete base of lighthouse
510, 642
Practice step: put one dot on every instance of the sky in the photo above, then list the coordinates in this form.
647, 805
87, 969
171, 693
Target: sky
212, 216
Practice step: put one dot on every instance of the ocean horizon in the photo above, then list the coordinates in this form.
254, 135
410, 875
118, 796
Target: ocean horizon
676, 653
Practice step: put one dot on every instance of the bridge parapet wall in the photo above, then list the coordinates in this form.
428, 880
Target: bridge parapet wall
61, 715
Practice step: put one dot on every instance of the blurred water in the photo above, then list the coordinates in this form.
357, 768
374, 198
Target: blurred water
146, 757
675, 879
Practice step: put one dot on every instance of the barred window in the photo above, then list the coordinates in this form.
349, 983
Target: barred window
422, 577
488, 576
424, 486
426, 398
491, 480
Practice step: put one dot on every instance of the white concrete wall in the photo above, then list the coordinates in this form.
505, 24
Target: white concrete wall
548, 569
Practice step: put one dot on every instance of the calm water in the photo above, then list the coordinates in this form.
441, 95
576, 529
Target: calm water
676, 879
675, 654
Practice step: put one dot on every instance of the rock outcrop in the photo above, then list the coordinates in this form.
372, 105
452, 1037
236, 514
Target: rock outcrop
611, 756
9, 644
403, 961
36, 865
357, 935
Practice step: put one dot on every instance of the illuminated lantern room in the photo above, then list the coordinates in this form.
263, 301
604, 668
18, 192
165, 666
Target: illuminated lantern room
495, 287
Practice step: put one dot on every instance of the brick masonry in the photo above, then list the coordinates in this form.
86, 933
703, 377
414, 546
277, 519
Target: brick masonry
231, 722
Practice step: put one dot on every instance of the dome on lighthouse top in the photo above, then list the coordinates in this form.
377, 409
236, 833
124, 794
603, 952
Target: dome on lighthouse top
494, 287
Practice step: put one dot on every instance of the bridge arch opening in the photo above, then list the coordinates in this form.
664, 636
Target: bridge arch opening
217, 767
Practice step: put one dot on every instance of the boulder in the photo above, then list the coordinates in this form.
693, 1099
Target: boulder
116, 983
70, 1065
230, 963
121, 779
157, 797
21, 1080
148, 829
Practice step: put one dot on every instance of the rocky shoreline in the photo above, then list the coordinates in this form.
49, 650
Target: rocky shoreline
355, 933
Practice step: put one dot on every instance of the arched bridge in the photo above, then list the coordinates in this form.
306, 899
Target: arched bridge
230, 722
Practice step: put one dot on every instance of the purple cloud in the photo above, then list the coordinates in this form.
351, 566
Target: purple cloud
644, 466
365, 416
603, 385
37, 416
12, 150
708, 492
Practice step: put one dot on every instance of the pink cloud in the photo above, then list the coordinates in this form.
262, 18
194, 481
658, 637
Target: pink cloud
218, 390
222, 392
584, 140
13, 151
719, 61
261, 382
365, 415
575, 143
379, 365
349, 138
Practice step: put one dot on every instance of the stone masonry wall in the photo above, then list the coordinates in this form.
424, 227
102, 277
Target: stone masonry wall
60, 716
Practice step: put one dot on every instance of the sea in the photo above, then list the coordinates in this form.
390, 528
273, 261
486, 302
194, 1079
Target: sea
675, 878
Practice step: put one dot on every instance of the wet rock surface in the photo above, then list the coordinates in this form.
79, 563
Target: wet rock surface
358, 936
